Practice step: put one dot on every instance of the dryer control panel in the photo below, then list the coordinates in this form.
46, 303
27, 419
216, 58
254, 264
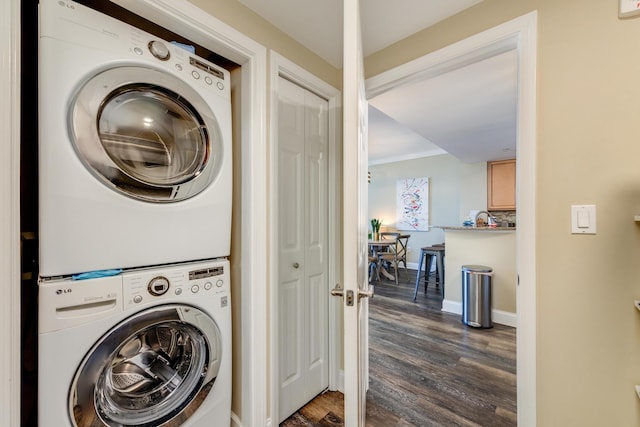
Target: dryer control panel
194, 280
78, 24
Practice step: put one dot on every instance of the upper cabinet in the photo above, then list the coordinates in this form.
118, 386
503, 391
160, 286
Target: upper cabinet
501, 185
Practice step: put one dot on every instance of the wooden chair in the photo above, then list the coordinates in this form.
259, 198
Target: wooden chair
397, 253
373, 268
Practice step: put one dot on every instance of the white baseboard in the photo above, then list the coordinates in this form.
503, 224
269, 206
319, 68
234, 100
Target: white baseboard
505, 318
498, 316
340, 381
454, 307
412, 265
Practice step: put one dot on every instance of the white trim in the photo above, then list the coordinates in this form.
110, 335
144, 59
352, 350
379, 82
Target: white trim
468, 51
505, 318
526, 244
280, 66
453, 307
411, 156
498, 316
10, 220
520, 33
193, 23
412, 265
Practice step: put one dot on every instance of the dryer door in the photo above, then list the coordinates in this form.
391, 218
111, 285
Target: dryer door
146, 134
154, 368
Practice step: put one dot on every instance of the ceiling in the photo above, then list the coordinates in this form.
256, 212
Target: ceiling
469, 113
317, 25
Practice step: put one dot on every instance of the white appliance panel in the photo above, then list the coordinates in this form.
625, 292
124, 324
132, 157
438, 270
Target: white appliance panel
85, 225
73, 318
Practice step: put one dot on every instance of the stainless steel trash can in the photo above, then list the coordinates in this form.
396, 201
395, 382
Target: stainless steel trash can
476, 296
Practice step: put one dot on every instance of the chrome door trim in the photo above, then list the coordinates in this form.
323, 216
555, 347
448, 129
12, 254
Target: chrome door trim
88, 103
86, 395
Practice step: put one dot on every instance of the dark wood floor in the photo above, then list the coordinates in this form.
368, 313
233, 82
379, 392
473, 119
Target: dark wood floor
427, 368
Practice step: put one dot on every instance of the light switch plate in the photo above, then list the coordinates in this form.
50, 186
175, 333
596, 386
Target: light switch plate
583, 219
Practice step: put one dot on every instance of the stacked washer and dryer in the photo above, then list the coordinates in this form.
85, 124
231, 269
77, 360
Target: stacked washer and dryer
134, 227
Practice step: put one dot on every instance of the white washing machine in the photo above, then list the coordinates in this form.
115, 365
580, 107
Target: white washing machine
134, 147
148, 347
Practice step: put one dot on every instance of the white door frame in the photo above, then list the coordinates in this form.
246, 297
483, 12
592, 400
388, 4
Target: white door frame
355, 277
280, 66
10, 219
521, 34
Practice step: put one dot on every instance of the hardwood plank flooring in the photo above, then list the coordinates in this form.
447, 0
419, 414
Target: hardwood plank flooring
426, 367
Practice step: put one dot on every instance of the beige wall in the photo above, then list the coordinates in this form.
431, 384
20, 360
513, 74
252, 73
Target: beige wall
243, 19
588, 348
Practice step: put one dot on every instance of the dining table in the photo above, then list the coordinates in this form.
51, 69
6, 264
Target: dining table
376, 246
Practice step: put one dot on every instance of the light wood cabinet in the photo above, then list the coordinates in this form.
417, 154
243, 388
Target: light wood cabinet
501, 185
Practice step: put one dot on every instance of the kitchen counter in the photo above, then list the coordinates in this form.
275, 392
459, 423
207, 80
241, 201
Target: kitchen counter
463, 228
491, 247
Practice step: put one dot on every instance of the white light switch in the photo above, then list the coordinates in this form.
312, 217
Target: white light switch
583, 219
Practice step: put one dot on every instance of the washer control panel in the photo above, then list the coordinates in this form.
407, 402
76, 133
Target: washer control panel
180, 281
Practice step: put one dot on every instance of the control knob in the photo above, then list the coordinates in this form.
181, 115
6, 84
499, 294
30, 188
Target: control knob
158, 286
159, 50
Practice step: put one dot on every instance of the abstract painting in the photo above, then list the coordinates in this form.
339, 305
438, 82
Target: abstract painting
413, 204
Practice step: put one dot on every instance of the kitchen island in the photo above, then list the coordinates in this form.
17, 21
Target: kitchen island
493, 247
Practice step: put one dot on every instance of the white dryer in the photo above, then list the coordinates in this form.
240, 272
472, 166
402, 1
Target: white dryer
148, 347
134, 147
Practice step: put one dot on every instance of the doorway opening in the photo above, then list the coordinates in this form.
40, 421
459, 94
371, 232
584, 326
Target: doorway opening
519, 34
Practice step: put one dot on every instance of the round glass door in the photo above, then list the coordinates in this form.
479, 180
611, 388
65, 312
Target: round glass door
146, 134
147, 370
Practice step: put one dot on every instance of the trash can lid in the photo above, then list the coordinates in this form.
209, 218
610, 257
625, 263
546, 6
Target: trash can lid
477, 268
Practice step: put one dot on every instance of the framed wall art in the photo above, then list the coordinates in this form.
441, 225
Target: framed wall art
412, 204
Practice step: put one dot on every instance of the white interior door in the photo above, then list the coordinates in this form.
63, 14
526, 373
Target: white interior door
302, 235
356, 310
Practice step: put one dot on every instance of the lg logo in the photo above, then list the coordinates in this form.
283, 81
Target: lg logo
63, 291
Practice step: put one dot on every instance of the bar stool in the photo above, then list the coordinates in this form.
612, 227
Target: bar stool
429, 253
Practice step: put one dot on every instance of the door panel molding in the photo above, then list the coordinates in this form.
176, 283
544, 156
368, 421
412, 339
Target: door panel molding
282, 67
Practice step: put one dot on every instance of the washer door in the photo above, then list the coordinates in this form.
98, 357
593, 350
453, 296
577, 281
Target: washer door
146, 134
154, 368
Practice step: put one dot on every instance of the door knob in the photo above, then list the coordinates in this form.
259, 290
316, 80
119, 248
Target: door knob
296, 265
337, 291
365, 294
